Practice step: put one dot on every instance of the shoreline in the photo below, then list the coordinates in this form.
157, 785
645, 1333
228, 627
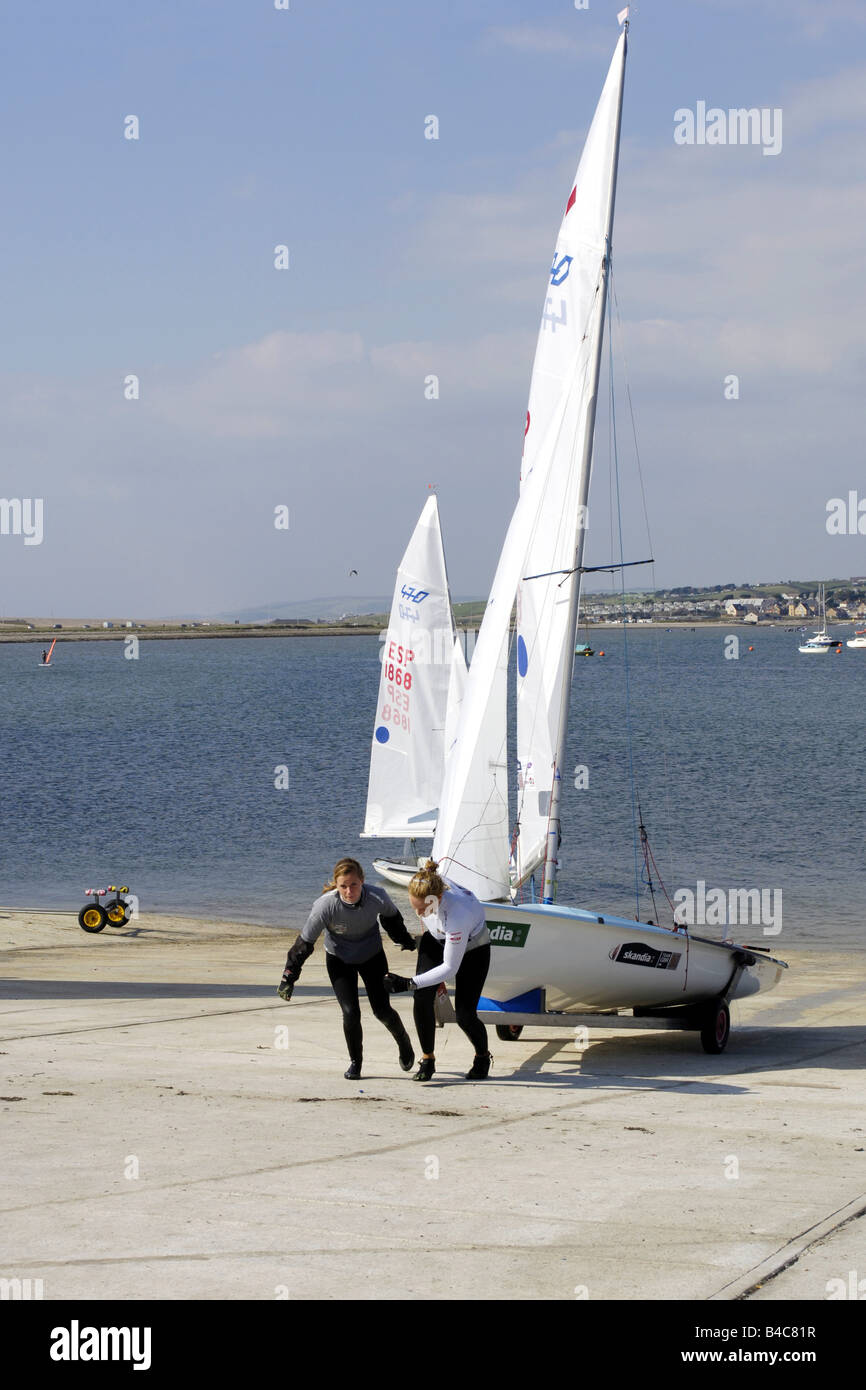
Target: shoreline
65, 635
162, 922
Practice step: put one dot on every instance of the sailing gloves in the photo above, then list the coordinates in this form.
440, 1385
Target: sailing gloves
396, 929
294, 961
398, 984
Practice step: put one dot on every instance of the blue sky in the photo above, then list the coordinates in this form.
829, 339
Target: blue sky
410, 257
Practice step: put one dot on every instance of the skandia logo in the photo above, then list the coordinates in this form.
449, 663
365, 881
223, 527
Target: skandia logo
637, 953
77, 1343
508, 933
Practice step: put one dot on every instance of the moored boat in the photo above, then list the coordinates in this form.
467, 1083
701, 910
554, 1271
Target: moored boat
821, 641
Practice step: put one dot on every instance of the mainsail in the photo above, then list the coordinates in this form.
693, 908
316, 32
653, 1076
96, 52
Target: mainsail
559, 441
473, 836
423, 672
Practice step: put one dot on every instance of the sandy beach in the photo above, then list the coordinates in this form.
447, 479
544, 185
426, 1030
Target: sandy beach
174, 1131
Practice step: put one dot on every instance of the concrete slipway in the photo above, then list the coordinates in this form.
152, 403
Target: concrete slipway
174, 1131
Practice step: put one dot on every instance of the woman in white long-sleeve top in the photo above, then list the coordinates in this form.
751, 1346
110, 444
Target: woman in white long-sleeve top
455, 944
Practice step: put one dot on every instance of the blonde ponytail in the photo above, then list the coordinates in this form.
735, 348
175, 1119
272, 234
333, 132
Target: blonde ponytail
427, 882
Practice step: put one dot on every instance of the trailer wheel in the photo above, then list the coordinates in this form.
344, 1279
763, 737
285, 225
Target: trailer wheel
716, 1028
92, 917
509, 1032
116, 914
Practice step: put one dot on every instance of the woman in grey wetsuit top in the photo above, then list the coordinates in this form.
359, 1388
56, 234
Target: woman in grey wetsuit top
349, 913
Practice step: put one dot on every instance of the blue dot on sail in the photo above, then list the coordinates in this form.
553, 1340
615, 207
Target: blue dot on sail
382, 734
522, 657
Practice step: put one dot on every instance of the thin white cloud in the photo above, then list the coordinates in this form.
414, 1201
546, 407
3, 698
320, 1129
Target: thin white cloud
811, 19
547, 41
835, 100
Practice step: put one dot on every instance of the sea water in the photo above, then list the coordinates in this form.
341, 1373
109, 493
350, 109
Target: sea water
224, 777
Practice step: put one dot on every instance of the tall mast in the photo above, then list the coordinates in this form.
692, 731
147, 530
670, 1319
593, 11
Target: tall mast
553, 833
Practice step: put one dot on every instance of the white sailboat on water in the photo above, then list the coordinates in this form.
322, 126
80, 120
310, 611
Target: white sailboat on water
549, 958
821, 641
420, 690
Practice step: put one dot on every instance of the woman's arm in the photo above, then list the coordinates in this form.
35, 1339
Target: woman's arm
303, 947
394, 925
391, 920
455, 949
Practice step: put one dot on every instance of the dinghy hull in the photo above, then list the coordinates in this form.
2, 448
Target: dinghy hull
397, 871
586, 962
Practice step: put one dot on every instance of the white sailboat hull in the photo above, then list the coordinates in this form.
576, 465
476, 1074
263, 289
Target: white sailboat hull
588, 963
398, 871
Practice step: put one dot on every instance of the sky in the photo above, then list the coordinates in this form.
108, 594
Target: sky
304, 387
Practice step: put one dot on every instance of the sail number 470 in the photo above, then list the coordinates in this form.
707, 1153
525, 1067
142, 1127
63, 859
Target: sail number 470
416, 595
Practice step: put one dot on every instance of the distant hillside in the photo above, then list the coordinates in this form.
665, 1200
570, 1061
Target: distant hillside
328, 609
324, 608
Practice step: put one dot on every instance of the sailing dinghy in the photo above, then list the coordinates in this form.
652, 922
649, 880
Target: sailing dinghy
420, 689
551, 963
821, 641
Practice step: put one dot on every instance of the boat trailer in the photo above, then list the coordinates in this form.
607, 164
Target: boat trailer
709, 1017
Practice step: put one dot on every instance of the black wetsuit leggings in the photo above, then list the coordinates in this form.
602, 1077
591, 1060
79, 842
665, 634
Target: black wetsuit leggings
468, 984
344, 978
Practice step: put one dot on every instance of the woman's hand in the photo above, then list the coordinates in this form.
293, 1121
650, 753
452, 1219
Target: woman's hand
398, 984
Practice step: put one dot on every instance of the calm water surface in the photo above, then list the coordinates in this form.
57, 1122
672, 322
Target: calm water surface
159, 772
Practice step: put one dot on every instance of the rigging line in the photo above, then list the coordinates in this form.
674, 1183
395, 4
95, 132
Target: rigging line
662, 882
648, 857
648, 877
666, 784
631, 771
